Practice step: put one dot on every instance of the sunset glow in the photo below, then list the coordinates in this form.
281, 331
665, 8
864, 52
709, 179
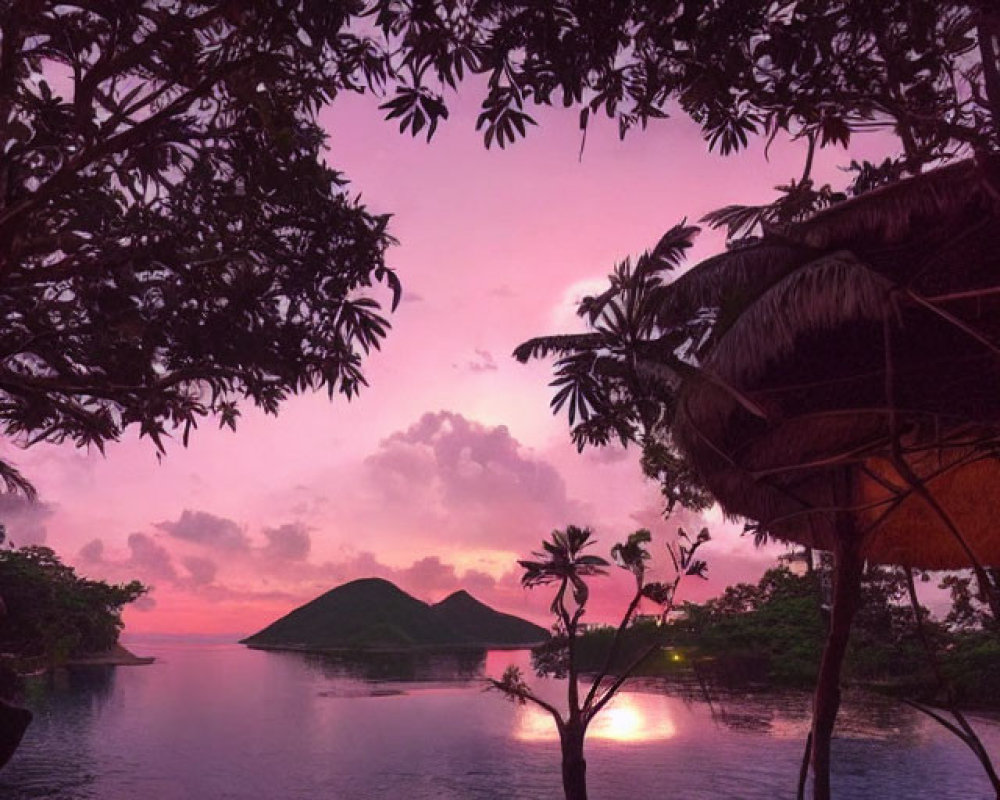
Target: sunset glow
450, 465
629, 718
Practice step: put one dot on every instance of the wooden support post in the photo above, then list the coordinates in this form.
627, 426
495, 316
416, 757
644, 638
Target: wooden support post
848, 565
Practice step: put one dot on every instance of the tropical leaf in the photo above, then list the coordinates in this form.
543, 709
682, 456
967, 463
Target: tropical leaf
542, 346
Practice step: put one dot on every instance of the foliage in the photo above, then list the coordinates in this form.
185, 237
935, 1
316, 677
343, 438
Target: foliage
170, 239
968, 612
770, 634
972, 666
823, 72
622, 378
562, 563
52, 614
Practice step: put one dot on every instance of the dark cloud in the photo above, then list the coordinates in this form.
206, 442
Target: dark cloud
92, 552
144, 603
428, 574
429, 577
289, 542
477, 582
411, 297
23, 519
149, 559
201, 571
207, 530
502, 291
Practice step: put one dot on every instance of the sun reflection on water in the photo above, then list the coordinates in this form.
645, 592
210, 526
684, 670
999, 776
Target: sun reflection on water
630, 718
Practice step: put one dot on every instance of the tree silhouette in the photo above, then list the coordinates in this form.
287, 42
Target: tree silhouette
563, 564
170, 238
820, 72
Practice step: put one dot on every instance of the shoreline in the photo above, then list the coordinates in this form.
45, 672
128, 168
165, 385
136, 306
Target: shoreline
422, 648
118, 656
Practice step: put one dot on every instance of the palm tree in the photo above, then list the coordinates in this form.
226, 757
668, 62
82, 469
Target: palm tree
620, 379
562, 563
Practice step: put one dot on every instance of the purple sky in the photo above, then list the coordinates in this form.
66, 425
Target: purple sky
450, 466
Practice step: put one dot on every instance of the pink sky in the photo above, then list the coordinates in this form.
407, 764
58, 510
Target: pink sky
450, 466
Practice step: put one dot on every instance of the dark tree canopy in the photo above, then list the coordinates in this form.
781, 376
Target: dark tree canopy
822, 70
170, 239
51, 614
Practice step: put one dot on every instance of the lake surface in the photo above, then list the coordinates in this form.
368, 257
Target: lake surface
220, 722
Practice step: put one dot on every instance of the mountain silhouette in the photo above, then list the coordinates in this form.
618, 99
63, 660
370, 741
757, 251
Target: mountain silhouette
375, 614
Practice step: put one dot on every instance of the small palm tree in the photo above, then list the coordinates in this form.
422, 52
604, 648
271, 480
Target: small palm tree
561, 562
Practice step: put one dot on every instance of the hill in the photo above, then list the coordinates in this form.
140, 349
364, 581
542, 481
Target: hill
374, 614
477, 622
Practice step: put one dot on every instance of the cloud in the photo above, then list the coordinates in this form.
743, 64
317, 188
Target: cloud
472, 463
612, 453
146, 559
201, 571
149, 559
289, 542
207, 530
92, 552
24, 519
483, 362
449, 481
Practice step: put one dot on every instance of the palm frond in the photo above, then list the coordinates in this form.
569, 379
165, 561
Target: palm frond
542, 346
739, 219
631, 286
15, 483
731, 277
670, 252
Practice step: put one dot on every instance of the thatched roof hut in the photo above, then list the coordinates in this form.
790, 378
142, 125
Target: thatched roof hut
855, 366
844, 390
849, 394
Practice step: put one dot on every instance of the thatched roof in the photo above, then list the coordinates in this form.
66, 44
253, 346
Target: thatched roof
869, 337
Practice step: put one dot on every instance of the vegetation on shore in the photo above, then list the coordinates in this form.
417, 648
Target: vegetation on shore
52, 614
770, 634
49, 615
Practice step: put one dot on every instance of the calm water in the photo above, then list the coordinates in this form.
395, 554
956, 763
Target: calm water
211, 722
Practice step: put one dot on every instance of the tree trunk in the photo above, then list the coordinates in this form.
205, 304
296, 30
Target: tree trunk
846, 595
574, 766
14, 722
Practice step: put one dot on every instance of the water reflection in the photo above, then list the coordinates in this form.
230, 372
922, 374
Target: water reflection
403, 667
235, 724
76, 698
628, 718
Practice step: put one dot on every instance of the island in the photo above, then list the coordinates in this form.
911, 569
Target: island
373, 614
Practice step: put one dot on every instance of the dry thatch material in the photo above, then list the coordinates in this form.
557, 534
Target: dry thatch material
869, 338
